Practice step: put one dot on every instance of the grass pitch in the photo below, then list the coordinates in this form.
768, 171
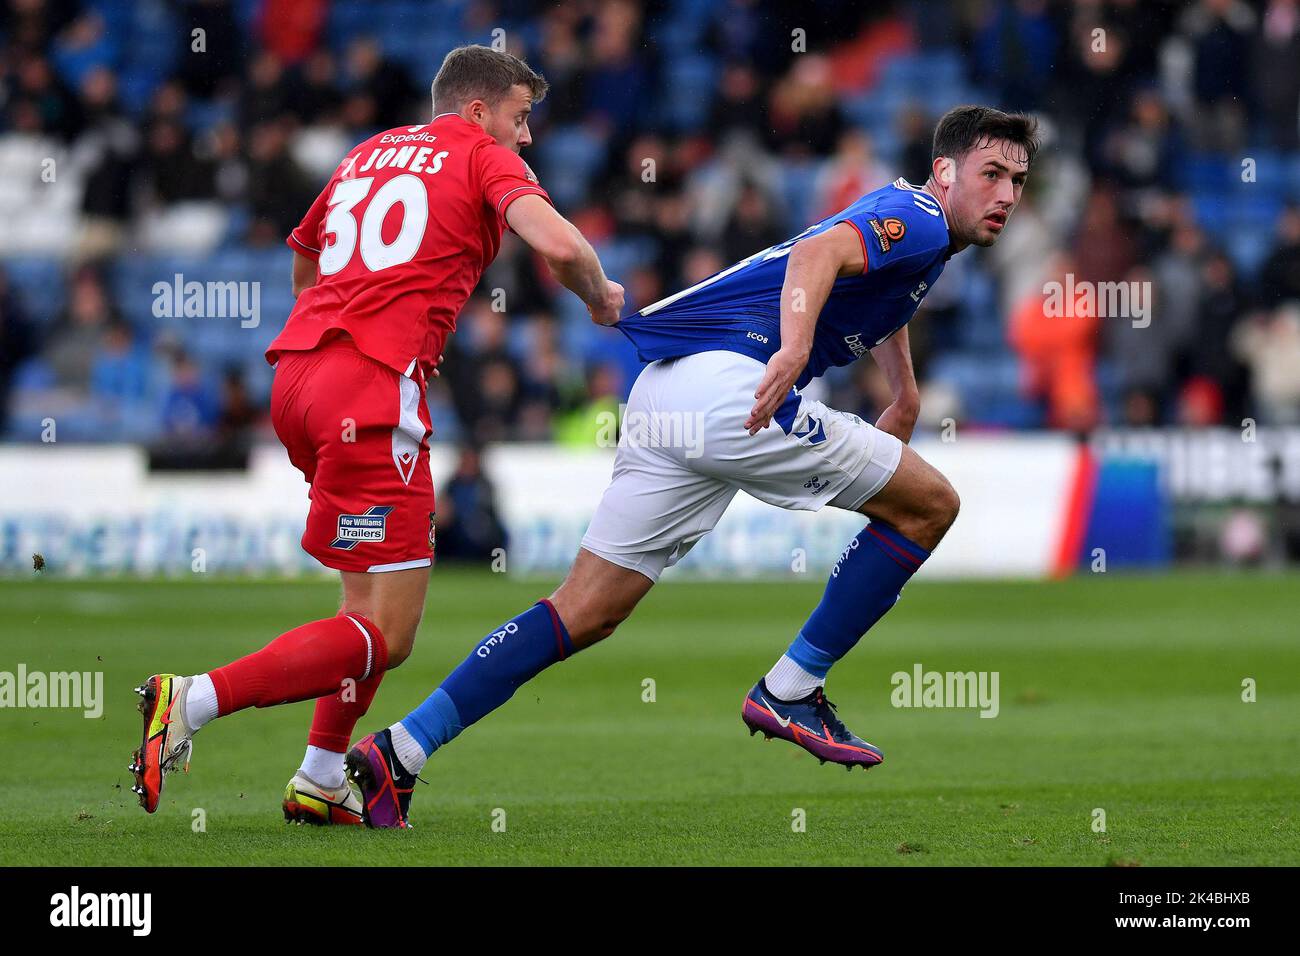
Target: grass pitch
1119, 694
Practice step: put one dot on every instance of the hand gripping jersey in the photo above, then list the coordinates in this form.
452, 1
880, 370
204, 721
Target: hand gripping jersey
401, 234
905, 243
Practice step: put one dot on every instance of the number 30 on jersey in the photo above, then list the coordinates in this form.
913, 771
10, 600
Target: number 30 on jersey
341, 223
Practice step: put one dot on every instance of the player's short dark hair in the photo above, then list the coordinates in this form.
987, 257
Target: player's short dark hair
479, 72
964, 128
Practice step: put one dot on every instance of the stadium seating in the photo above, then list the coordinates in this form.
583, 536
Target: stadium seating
208, 240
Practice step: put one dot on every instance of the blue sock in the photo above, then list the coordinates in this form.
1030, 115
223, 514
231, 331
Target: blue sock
504, 661
864, 584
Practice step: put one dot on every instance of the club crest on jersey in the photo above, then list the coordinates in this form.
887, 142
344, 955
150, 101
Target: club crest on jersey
367, 528
888, 232
882, 240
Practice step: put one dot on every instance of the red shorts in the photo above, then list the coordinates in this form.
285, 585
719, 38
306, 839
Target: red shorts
359, 433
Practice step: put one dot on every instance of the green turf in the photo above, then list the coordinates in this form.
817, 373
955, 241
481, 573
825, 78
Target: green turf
1120, 693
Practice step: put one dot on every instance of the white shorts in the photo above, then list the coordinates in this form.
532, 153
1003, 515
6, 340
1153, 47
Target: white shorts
684, 453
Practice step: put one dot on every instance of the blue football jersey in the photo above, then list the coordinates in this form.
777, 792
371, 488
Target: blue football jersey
905, 240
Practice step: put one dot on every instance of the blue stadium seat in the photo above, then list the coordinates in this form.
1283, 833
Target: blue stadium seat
578, 153
867, 110
576, 328
621, 256
1248, 249
1012, 412
989, 386
446, 426
117, 16
942, 67
797, 186
238, 218
35, 373
1212, 209
349, 19
246, 12
257, 378
701, 10
135, 87
40, 285
981, 328
1293, 179
941, 97
1202, 172
420, 48
982, 331
692, 79
678, 33
907, 71
1110, 387
73, 65
879, 109
204, 115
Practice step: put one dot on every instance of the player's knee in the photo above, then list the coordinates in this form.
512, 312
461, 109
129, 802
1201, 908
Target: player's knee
606, 622
584, 617
399, 635
943, 506
593, 621
398, 652
400, 640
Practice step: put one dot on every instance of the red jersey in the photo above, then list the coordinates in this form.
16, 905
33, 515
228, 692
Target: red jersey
400, 236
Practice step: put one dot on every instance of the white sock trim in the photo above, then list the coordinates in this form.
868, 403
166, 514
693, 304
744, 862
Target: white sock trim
788, 681
323, 766
407, 749
370, 645
200, 702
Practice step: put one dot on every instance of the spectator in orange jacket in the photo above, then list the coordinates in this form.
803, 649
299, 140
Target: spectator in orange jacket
1055, 334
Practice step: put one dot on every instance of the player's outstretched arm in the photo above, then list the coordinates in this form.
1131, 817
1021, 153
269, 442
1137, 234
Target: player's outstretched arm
894, 356
812, 268
568, 254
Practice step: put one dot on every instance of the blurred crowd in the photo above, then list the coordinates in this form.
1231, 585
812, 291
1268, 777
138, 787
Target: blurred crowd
680, 135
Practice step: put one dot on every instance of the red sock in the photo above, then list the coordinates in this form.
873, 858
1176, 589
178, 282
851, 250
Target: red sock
337, 715
307, 662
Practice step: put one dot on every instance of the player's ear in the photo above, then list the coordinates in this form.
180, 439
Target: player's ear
945, 170
475, 111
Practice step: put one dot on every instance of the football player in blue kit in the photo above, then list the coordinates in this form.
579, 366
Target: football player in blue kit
734, 351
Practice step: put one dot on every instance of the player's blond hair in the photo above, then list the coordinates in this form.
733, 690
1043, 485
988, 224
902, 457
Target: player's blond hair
477, 72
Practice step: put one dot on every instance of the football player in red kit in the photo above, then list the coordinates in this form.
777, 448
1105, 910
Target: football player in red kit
383, 262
